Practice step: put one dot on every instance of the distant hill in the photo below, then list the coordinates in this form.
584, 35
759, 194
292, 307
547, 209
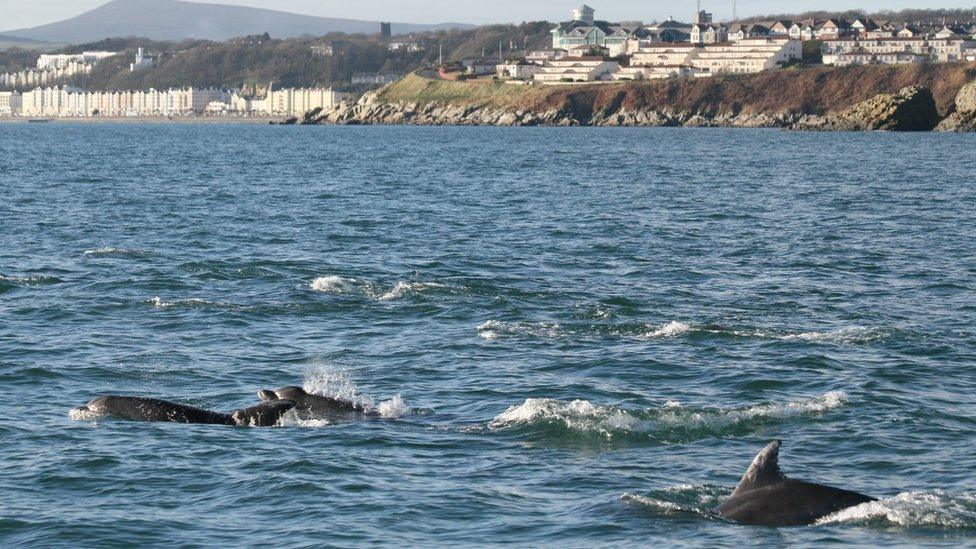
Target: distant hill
178, 20
253, 61
8, 41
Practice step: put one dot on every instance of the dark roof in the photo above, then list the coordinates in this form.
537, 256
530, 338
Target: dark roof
672, 24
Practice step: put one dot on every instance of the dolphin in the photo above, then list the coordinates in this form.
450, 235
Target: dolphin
765, 497
265, 414
314, 404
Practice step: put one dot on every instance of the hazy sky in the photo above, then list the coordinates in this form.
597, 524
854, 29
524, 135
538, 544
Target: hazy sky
25, 13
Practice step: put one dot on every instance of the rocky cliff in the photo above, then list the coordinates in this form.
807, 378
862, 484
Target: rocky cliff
963, 119
862, 98
912, 109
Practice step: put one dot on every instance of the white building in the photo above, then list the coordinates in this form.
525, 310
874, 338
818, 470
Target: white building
10, 103
142, 61
518, 71
709, 33
410, 47
288, 102
652, 72
576, 69
749, 55
585, 30
541, 57
481, 67
44, 77
866, 51
60, 61
72, 102
663, 55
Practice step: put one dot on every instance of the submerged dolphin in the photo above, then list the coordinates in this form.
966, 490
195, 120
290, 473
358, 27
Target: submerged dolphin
765, 497
265, 414
315, 404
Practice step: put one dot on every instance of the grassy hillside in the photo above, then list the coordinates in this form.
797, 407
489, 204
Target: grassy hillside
256, 60
812, 91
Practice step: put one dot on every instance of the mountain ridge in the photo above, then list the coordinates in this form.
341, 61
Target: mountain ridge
179, 20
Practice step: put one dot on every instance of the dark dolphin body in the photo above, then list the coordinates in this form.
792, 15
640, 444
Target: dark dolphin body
265, 414
314, 404
765, 497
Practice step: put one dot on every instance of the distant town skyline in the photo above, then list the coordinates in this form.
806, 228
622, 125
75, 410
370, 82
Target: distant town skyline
20, 14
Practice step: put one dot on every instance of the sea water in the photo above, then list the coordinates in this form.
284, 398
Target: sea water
571, 336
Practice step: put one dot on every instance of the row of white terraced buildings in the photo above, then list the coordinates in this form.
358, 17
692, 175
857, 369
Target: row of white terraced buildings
74, 103
655, 60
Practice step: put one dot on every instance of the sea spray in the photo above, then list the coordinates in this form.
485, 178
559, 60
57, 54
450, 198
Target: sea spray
338, 383
933, 509
668, 423
334, 285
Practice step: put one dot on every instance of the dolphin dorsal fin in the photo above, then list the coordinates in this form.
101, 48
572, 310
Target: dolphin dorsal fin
764, 470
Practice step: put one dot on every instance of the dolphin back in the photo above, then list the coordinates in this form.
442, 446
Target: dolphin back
766, 497
155, 410
266, 414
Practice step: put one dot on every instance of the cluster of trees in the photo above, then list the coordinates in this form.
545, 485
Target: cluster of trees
252, 62
17, 59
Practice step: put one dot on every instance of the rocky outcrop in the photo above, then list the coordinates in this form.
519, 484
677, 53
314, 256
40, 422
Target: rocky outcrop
910, 110
370, 109
964, 117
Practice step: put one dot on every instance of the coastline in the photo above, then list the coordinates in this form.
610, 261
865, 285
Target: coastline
897, 98
265, 120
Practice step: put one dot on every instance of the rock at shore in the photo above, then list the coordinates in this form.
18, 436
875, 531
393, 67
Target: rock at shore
910, 110
964, 118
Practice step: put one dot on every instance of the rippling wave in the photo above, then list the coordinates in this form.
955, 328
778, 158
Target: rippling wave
686, 499
495, 329
922, 510
30, 280
465, 270
933, 509
333, 284
123, 253
669, 423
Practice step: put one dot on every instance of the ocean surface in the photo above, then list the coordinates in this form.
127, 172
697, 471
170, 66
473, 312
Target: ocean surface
574, 337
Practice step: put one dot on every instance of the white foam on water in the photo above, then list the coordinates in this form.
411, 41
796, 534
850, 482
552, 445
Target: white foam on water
334, 383
852, 335
496, 329
585, 417
33, 280
675, 415
193, 303
112, 251
933, 509
394, 408
577, 415
670, 330
661, 505
403, 289
84, 414
337, 383
698, 499
292, 419
334, 285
